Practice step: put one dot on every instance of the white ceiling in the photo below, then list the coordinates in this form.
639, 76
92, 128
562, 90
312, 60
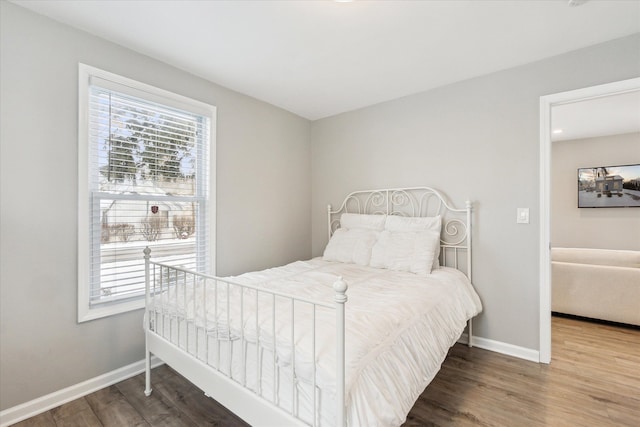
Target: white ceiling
608, 115
321, 58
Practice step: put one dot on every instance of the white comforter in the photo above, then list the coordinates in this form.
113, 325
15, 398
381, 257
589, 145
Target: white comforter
399, 327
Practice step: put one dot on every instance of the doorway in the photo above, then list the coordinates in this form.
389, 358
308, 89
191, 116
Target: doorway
546, 104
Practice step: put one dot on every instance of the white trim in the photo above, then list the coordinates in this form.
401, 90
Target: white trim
86, 74
53, 400
546, 103
83, 192
212, 204
142, 90
501, 347
506, 348
545, 236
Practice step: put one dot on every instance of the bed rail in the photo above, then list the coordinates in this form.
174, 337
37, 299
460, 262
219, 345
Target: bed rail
254, 342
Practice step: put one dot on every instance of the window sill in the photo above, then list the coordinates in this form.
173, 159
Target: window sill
87, 313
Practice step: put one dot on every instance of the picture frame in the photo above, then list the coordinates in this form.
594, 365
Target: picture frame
615, 186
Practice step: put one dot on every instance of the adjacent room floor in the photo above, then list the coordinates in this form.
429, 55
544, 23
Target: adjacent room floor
593, 379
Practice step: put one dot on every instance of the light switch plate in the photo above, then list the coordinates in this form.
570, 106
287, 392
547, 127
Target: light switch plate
522, 216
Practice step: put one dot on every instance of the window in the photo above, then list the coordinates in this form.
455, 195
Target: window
145, 179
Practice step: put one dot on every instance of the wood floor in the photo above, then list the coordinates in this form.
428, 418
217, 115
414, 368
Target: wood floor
593, 380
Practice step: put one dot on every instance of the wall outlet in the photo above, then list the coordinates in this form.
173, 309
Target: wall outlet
522, 216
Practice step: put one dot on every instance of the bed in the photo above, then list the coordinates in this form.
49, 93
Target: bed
349, 338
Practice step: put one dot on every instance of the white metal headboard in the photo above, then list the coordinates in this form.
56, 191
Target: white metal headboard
455, 239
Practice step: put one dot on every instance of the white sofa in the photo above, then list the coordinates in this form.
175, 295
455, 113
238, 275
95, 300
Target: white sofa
596, 283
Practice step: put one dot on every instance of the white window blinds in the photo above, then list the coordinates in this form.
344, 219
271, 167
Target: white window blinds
148, 182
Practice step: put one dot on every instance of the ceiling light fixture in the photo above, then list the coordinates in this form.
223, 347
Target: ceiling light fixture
557, 131
574, 3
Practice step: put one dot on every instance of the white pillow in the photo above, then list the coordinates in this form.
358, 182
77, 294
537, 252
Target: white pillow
351, 245
414, 223
431, 223
412, 251
362, 221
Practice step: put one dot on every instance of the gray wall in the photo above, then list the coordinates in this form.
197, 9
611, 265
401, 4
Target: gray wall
610, 228
263, 199
476, 139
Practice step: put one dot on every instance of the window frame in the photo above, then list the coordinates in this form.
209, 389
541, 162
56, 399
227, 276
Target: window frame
86, 74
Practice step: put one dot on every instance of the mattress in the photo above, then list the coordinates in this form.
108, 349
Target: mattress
399, 328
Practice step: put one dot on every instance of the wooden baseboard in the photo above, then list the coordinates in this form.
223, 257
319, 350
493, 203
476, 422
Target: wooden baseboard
42, 404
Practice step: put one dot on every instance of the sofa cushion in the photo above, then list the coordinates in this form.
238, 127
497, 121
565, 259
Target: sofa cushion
612, 257
596, 291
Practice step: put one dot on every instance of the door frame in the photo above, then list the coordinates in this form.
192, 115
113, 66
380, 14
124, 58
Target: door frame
547, 102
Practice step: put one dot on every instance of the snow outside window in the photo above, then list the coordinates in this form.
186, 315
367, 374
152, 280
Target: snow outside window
145, 180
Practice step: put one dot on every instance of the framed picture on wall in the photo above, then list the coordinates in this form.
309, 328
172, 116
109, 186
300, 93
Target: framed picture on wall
609, 186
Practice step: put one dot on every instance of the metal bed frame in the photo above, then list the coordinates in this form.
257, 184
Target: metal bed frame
185, 343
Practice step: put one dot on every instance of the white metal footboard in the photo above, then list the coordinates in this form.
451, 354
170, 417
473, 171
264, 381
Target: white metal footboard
253, 349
